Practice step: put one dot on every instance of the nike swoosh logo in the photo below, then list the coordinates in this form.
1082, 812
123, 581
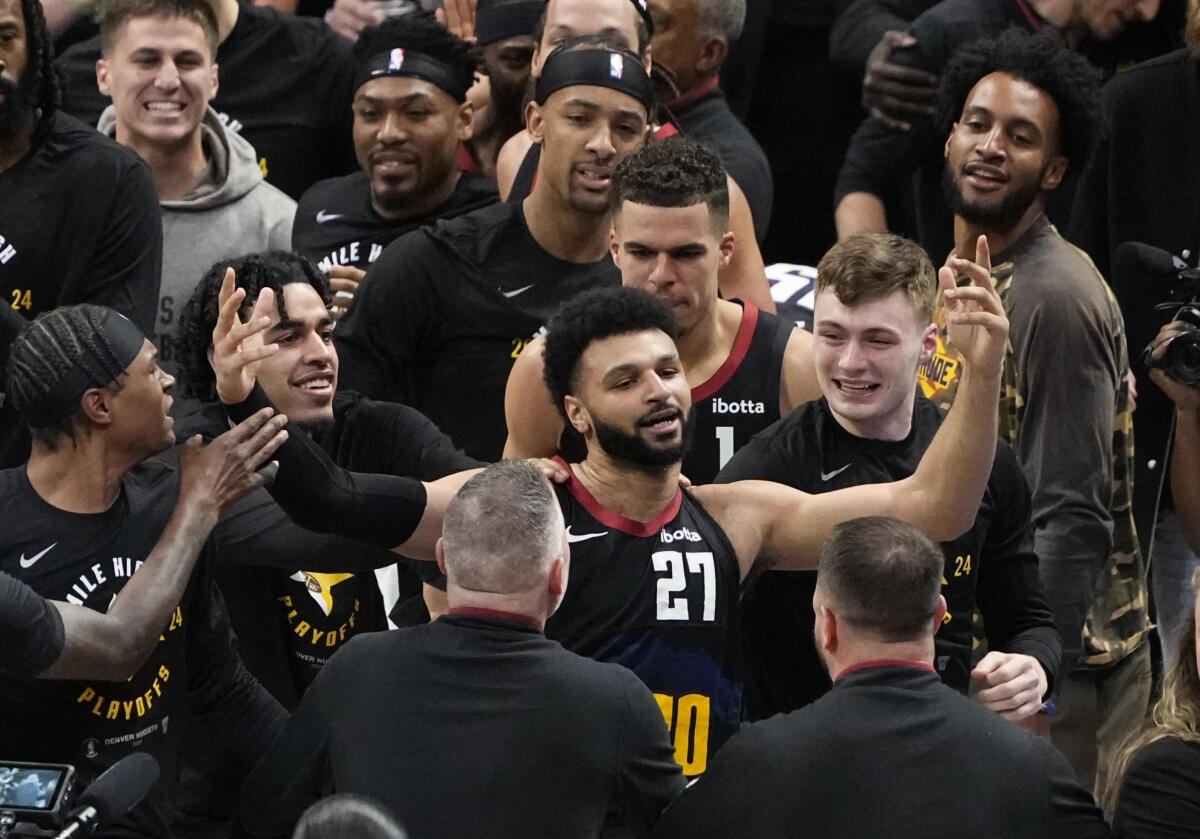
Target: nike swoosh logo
518, 291
323, 217
29, 563
583, 537
825, 476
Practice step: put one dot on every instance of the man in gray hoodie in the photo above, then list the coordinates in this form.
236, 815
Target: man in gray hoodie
158, 66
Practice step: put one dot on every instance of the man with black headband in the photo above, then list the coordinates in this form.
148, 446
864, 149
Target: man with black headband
445, 310
626, 23
59, 178
656, 571
285, 88
82, 516
504, 32
410, 116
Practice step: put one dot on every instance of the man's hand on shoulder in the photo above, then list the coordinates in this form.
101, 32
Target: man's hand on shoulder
234, 464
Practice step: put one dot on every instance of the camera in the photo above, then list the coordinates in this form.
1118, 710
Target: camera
1181, 356
35, 796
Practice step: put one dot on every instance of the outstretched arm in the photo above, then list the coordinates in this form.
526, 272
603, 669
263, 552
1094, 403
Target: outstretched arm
111, 646
942, 497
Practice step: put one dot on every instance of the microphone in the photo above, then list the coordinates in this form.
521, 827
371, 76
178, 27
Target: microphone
1135, 259
111, 795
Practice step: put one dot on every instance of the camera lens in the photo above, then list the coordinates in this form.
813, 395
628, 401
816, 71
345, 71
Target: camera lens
1184, 362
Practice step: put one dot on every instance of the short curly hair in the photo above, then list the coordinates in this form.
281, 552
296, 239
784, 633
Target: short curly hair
673, 173
594, 316
417, 32
256, 271
1038, 59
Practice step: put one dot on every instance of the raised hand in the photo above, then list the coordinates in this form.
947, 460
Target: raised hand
459, 17
343, 281
238, 347
976, 323
233, 464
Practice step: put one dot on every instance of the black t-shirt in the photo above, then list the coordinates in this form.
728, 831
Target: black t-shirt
32, 625
291, 604
661, 599
336, 224
285, 87
79, 223
86, 559
444, 312
709, 120
992, 566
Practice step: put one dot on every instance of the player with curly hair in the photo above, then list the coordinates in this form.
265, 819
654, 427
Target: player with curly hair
1027, 109
746, 367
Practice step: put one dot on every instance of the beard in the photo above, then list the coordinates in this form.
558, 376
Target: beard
17, 110
632, 450
1002, 216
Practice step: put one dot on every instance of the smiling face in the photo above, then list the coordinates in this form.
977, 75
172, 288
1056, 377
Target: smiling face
585, 131
866, 357
161, 77
1002, 154
301, 378
675, 253
633, 400
406, 135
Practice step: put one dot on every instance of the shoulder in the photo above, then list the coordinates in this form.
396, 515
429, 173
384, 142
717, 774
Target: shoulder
72, 142
1056, 276
274, 202
1148, 79
1169, 758
323, 194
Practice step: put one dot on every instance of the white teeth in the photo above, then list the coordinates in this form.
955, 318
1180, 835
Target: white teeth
164, 106
317, 384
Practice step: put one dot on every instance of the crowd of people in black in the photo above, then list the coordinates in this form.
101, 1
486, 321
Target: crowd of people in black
577, 418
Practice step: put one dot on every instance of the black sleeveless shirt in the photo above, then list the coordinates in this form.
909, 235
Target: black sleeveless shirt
659, 598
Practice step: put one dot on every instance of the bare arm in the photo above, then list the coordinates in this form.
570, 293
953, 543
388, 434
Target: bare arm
860, 212
745, 277
508, 161
534, 425
798, 378
111, 646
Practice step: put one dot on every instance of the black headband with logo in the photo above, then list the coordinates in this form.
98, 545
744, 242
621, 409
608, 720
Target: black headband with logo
122, 341
618, 70
401, 62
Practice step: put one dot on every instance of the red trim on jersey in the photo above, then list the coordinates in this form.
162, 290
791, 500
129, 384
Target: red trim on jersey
496, 614
466, 160
703, 89
1031, 16
615, 520
741, 345
667, 129
885, 662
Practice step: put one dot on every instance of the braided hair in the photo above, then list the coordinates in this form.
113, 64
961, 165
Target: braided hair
57, 343
40, 78
269, 269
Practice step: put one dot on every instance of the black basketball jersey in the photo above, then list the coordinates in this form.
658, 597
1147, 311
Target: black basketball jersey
741, 398
659, 598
